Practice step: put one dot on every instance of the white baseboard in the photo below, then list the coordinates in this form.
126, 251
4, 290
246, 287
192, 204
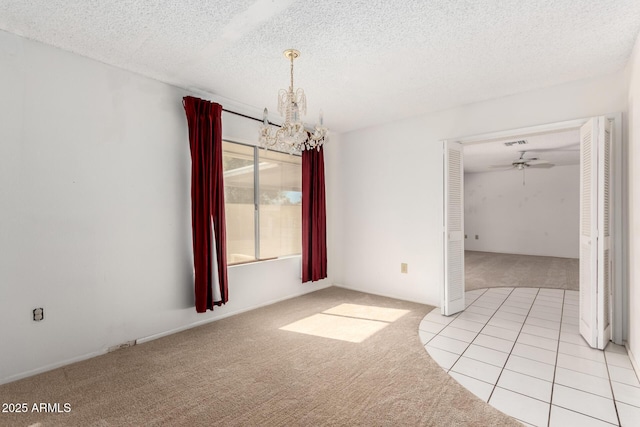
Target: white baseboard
223, 316
65, 362
367, 291
634, 361
52, 366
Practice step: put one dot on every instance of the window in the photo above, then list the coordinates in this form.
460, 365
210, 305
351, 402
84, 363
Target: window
272, 227
239, 196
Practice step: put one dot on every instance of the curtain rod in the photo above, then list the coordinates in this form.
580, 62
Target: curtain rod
257, 120
248, 117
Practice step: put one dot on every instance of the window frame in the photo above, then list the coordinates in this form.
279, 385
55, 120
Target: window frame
256, 202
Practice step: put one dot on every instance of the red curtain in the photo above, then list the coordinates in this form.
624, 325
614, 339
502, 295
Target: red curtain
314, 213
207, 202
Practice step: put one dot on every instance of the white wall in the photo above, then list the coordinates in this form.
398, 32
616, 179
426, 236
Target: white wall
389, 195
633, 203
538, 218
95, 222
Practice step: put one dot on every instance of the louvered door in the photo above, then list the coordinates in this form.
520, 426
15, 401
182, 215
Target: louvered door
604, 232
452, 299
595, 229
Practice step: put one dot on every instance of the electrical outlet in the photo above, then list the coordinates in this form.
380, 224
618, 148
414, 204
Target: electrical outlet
38, 314
477, 238
404, 268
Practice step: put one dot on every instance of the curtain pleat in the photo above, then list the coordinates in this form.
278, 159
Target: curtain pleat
314, 212
207, 203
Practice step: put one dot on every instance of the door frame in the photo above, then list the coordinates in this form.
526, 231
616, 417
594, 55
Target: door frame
619, 311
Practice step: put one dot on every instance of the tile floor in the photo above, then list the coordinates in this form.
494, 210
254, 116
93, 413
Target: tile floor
519, 349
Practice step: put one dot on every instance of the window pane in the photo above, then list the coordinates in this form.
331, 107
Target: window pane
237, 162
280, 204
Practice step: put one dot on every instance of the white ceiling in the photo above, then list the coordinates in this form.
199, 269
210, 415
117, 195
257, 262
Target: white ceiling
560, 148
363, 61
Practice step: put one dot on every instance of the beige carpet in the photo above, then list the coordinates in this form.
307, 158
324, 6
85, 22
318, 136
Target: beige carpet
246, 371
490, 270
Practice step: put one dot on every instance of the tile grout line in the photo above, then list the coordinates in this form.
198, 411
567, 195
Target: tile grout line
477, 333
449, 324
587, 374
555, 368
525, 321
613, 395
514, 342
537, 295
585, 415
552, 404
480, 331
577, 389
584, 373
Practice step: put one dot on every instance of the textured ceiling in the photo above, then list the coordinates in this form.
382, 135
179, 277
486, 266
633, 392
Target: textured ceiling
559, 148
363, 61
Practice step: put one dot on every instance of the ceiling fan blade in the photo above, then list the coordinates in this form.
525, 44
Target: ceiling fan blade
500, 166
546, 165
534, 162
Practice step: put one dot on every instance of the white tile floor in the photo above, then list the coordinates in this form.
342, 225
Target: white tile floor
519, 349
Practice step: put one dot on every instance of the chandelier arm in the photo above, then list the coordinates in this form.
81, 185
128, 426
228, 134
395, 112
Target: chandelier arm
279, 133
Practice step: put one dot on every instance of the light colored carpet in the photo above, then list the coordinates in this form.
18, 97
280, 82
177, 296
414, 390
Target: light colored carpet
490, 270
245, 371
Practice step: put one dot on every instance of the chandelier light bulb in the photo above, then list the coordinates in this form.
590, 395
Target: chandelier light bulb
296, 112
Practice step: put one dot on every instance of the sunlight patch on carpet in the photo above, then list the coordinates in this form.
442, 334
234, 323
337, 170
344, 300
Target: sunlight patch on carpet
367, 312
347, 322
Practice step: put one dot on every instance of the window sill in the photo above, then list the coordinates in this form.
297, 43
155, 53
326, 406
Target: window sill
262, 260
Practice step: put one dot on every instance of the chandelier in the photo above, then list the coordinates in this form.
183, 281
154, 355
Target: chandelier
292, 137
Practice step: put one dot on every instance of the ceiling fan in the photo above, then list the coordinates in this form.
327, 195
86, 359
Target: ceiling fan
522, 163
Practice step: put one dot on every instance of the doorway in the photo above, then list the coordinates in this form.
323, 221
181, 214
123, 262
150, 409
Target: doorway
521, 211
454, 189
